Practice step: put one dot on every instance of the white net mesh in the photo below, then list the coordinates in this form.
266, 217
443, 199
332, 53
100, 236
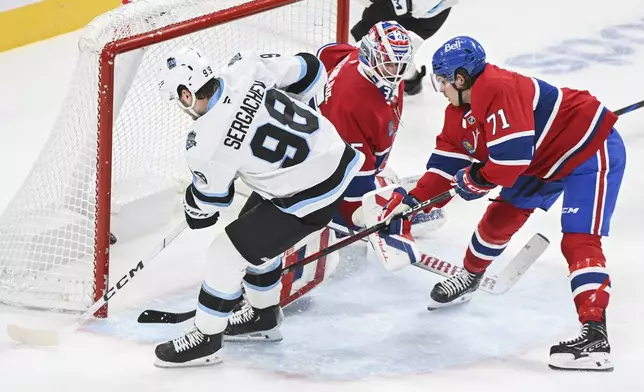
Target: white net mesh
47, 232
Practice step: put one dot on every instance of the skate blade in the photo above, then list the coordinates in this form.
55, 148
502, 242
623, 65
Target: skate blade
433, 305
272, 335
594, 362
212, 359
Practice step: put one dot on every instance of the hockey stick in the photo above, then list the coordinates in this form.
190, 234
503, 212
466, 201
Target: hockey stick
494, 284
506, 278
366, 232
156, 316
44, 337
629, 108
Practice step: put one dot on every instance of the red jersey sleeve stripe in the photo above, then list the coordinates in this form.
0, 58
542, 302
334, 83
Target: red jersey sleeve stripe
454, 155
510, 137
441, 173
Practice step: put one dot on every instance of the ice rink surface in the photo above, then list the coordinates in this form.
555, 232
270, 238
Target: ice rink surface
366, 329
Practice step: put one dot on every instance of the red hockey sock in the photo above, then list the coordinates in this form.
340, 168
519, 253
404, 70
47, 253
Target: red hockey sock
589, 278
498, 225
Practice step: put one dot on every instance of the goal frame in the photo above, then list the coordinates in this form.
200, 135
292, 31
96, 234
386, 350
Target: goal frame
106, 82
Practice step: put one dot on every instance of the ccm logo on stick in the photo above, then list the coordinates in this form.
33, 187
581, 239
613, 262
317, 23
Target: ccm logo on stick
123, 281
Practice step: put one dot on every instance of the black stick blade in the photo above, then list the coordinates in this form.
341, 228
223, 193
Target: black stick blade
151, 316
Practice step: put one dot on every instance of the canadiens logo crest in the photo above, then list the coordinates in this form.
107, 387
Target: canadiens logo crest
468, 146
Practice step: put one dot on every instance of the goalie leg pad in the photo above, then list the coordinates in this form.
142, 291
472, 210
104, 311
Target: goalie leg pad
263, 233
392, 250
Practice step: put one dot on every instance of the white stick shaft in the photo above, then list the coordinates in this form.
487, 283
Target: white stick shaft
111, 291
494, 284
447, 270
37, 337
506, 278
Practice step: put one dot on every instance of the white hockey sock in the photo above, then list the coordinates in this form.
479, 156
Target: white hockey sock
263, 285
221, 289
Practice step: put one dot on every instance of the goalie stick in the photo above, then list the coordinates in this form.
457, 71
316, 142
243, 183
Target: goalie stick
155, 316
505, 279
493, 284
51, 337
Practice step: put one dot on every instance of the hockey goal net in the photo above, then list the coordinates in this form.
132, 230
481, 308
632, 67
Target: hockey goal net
116, 144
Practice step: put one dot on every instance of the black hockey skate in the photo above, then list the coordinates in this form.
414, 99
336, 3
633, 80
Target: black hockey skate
249, 323
590, 351
192, 349
414, 85
455, 290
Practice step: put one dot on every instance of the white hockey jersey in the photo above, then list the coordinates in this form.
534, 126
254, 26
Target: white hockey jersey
258, 129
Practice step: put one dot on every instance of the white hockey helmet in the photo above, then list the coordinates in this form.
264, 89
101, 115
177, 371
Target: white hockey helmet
385, 54
186, 67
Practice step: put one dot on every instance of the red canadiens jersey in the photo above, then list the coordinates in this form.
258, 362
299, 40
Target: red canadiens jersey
517, 125
362, 117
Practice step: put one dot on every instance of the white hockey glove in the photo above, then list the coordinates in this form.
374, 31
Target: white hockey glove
195, 216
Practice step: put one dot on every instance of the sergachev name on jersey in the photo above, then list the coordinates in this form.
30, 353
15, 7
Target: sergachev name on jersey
245, 115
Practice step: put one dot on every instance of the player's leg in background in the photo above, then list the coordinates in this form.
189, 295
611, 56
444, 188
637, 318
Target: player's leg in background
590, 196
420, 30
502, 219
267, 232
378, 11
382, 10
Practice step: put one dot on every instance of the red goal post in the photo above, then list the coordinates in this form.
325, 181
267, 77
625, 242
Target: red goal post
55, 252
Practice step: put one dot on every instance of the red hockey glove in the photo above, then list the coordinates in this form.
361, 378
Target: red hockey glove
470, 184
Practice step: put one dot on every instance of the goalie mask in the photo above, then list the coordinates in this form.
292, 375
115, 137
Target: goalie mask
186, 67
385, 54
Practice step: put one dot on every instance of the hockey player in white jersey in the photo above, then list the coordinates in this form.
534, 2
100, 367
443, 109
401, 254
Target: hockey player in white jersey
252, 123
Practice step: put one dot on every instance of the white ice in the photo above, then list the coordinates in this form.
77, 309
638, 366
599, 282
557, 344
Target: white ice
366, 329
